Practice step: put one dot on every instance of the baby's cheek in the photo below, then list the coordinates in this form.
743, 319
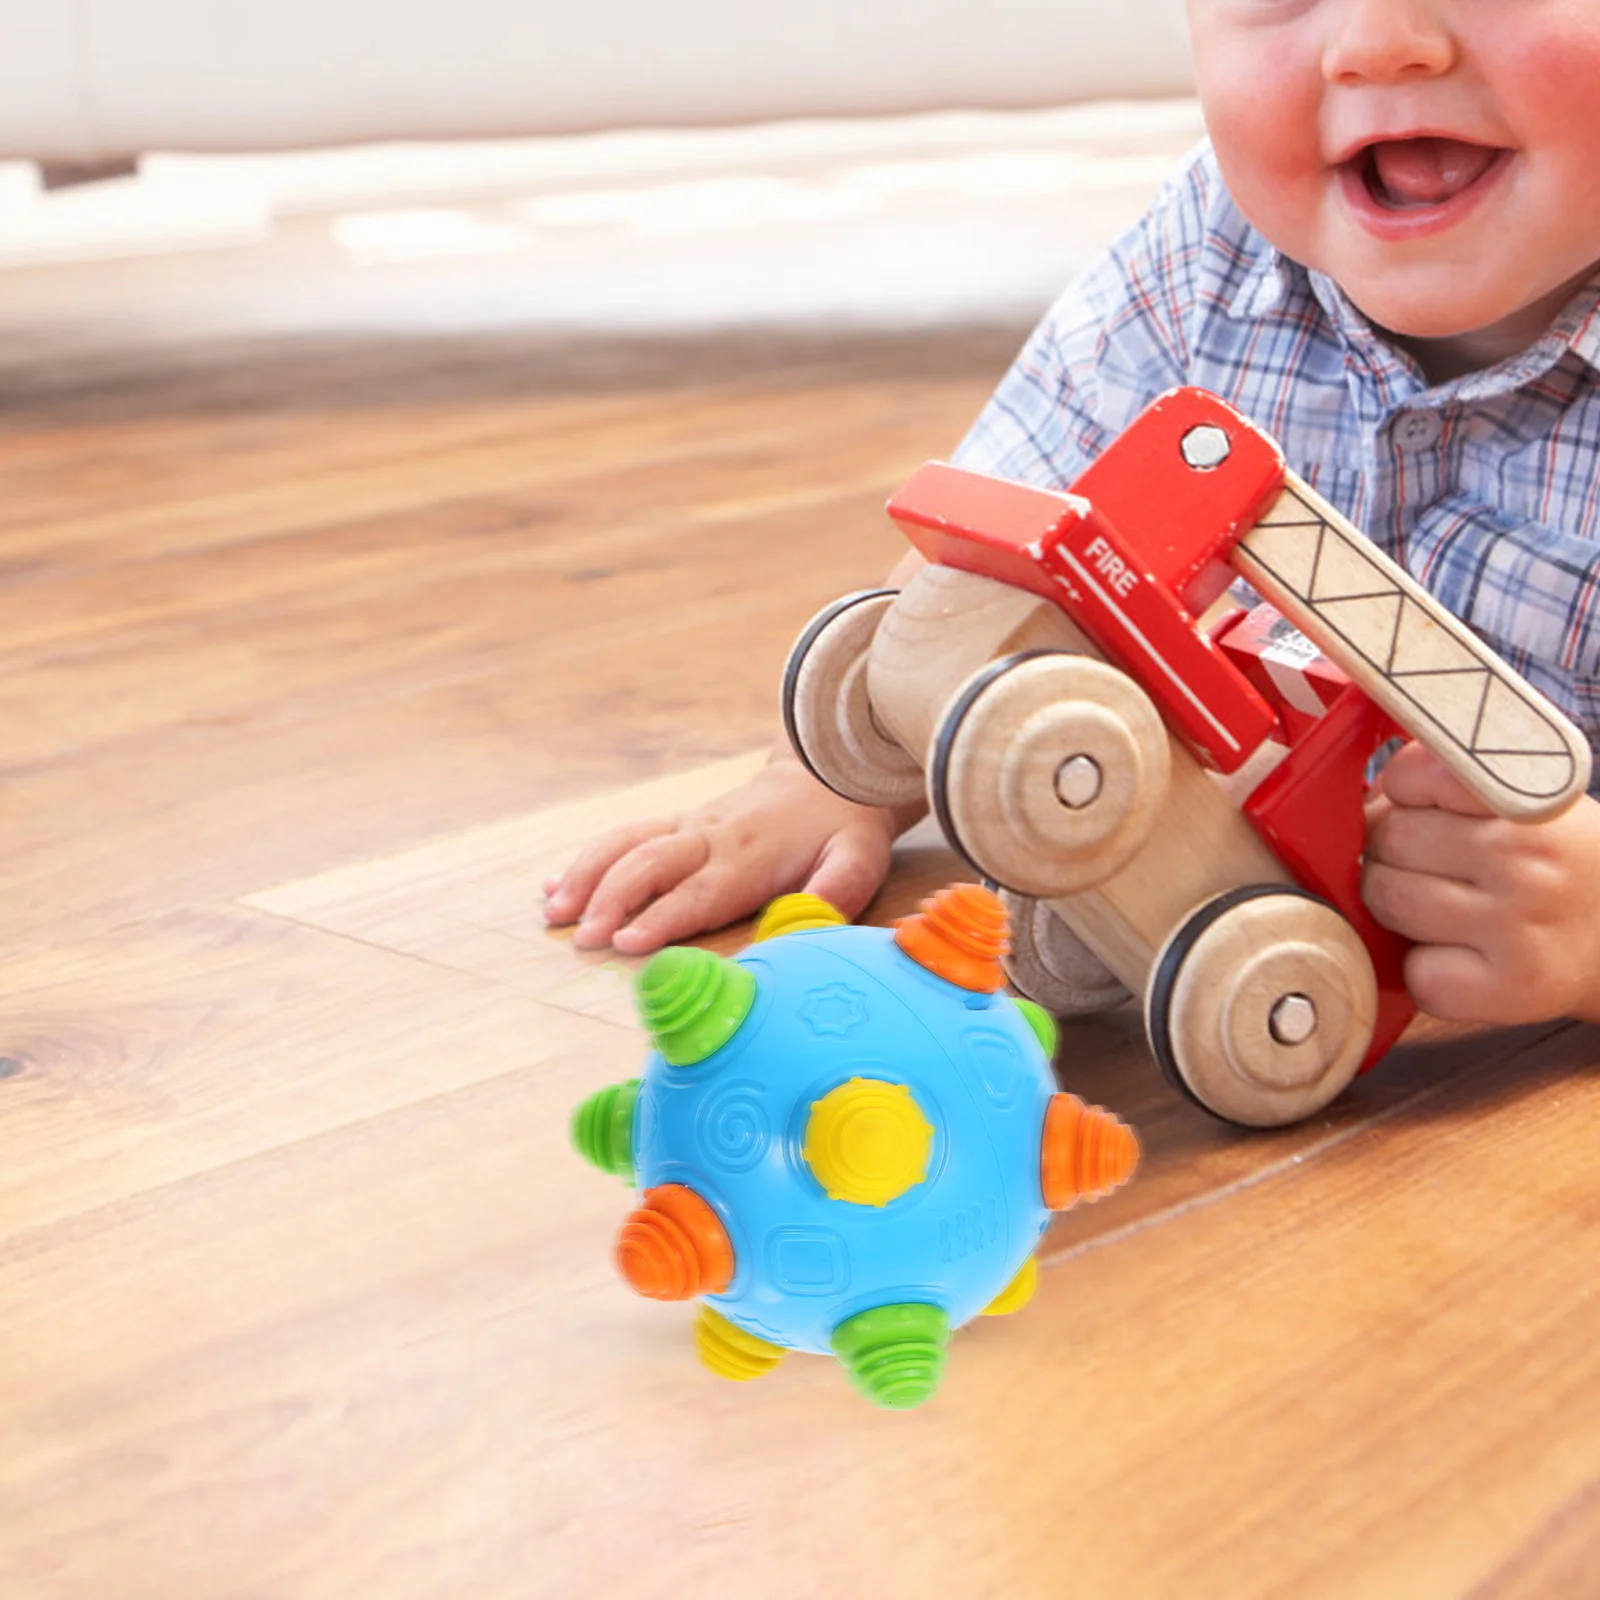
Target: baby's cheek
1267, 147
1544, 76
1257, 99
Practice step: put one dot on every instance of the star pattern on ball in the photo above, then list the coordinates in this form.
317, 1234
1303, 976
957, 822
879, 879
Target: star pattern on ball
835, 1012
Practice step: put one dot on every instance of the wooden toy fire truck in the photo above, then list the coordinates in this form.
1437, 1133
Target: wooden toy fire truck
1174, 812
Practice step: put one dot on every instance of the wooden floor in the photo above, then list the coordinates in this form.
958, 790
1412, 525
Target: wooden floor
321, 649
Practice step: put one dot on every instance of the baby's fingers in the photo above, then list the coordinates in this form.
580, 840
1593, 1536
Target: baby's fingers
1414, 776
848, 872
648, 871
567, 894
1425, 908
704, 901
1457, 984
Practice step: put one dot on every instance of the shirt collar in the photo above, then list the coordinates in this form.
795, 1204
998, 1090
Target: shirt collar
1271, 279
1577, 329
1264, 285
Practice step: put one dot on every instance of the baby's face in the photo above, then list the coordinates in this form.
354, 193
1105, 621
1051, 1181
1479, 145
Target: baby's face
1439, 159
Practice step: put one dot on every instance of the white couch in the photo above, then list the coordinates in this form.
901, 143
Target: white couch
89, 81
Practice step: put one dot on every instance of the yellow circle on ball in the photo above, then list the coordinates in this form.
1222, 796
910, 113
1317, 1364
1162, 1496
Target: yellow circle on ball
868, 1142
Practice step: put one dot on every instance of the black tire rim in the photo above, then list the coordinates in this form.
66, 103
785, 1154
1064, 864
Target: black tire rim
791, 672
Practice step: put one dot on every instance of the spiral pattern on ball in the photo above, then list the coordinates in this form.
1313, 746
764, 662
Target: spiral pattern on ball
731, 1128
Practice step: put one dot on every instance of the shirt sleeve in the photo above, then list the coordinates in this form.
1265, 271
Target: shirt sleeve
1115, 340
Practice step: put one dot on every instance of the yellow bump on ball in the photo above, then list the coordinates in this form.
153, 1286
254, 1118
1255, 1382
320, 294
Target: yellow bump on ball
868, 1142
1017, 1293
797, 913
730, 1352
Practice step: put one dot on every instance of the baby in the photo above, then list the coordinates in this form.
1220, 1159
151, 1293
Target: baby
1388, 256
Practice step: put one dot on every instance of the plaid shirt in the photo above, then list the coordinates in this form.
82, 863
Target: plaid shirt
1486, 488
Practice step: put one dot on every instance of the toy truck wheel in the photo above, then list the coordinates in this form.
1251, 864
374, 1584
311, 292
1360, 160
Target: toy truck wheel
827, 714
1050, 964
1261, 1005
1048, 771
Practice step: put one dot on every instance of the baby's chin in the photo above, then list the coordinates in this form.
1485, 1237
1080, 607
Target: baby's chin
1481, 329
1425, 304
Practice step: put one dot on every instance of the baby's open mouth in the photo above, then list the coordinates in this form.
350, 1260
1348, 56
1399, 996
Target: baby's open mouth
1411, 174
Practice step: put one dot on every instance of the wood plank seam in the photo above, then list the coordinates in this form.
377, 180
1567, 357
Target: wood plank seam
1298, 1158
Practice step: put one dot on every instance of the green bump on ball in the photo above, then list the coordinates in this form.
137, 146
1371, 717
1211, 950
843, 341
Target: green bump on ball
894, 1354
693, 1002
602, 1128
1042, 1023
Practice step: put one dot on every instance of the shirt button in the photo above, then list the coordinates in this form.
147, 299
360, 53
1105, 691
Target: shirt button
1418, 430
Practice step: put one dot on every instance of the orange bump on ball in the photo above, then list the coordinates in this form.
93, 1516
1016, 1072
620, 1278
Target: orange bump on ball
1085, 1152
960, 933
673, 1247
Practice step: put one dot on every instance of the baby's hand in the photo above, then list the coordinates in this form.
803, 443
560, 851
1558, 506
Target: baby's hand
1505, 915
651, 883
